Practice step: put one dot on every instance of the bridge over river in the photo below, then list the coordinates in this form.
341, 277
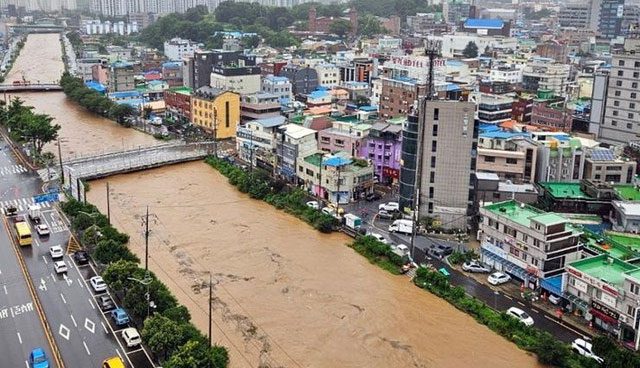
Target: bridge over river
32, 87
81, 169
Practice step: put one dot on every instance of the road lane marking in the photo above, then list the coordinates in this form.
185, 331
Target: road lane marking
5, 289
63, 299
80, 283
45, 260
535, 310
52, 278
27, 364
521, 303
73, 320
86, 348
64, 331
104, 327
135, 351
90, 325
120, 355
19, 338
91, 302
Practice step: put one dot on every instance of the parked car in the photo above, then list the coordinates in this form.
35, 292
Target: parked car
555, 299
521, 315
498, 278
475, 266
98, 284
60, 267
384, 214
106, 303
131, 337
120, 317
81, 257
38, 358
585, 349
42, 229
389, 206
56, 252
313, 204
379, 238
373, 196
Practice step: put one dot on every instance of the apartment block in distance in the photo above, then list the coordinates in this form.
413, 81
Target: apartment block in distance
531, 245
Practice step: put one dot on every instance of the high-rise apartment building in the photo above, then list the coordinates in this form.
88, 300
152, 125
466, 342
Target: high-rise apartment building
439, 144
615, 111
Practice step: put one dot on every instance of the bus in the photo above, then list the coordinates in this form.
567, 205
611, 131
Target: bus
23, 232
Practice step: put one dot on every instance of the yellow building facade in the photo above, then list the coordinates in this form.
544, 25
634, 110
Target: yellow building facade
216, 111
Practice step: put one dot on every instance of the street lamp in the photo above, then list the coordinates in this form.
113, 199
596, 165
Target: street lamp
146, 282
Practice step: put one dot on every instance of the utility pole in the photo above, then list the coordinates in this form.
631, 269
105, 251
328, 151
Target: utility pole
210, 309
146, 241
108, 206
215, 131
251, 148
319, 189
60, 159
338, 191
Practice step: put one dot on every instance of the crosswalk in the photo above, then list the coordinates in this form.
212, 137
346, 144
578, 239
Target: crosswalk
12, 170
22, 204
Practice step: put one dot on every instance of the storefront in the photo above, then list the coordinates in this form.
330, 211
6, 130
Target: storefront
604, 318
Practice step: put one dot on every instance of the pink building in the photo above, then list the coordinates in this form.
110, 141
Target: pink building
344, 136
100, 74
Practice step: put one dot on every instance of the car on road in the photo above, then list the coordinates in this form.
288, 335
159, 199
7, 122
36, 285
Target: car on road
498, 278
521, 315
81, 257
131, 337
38, 359
10, 211
114, 362
98, 284
379, 238
56, 252
474, 266
42, 229
585, 348
441, 250
106, 303
385, 215
119, 316
373, 196
313, 204
389, 206
60, 267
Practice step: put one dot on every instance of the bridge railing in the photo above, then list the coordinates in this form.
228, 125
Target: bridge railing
121, 162
137, 151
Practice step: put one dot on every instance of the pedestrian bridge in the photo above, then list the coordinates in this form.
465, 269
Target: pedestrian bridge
79, 170
32, 87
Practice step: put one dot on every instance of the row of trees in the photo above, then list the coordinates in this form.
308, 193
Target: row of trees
93, 101
168, 332
26, 126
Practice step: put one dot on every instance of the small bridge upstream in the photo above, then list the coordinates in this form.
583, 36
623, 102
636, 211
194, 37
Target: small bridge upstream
31, 87
78, 170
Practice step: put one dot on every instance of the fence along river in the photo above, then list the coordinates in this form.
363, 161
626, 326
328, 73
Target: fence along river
284, 295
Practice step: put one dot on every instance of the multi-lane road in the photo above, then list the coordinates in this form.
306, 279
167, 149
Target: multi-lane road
39, 308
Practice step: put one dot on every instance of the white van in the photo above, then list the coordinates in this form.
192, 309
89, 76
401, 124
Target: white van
401, 226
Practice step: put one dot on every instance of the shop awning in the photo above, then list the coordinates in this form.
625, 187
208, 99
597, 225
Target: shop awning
603, 317
581, 304
552, 284
509, 267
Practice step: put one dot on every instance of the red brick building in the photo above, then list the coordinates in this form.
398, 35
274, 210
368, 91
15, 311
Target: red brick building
178, 103
322, 24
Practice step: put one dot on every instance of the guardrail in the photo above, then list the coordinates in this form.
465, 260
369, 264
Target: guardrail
76, 171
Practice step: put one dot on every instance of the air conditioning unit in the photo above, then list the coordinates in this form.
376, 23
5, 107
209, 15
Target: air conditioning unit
623, 318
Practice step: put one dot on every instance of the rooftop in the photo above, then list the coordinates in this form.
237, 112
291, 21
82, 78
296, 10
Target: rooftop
603, 267
182, 90
564, 190
629, 240
523, 214
296, 131
628, 192
270, 122
630, 209
484, 23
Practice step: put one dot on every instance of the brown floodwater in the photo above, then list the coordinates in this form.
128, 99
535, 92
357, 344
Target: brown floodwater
284, 295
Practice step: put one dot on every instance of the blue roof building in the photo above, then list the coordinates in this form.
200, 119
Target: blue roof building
489, 27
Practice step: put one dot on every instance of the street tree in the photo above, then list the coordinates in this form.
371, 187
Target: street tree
162, 335
39, 130
471, 50
340, 27
108, 251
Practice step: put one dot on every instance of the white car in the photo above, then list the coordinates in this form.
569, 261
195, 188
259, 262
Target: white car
498, 278
379, 238
56, 252
474, 266
521, 315
389, 206
313, 204
584, 348
98, 284
60, 267
131, 337
42, 229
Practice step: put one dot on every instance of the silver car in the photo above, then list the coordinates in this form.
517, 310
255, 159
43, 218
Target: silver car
474, 266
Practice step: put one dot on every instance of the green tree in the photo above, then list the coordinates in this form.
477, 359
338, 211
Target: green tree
109, 251
39, 130
471, 50
550, 351
369, 25
340, 27
251, 42
162, 335
196, 354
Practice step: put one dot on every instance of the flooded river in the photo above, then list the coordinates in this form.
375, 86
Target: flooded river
285, 295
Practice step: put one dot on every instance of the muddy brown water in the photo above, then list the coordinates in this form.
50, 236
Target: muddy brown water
284, 295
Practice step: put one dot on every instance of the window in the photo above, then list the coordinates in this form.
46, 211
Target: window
632, 105
489, 159
432, 177
615, 112
636, 74
633, 95
634, 85
617, 93
433, 162
620, 73
436, 114
616, 103
629, 125
434, 146
630, 310
227, 116
300, 168
620, 62
636, 64
619, 83
630, 115
512, 161
614, 122
430, 192
435, 130
634, 288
